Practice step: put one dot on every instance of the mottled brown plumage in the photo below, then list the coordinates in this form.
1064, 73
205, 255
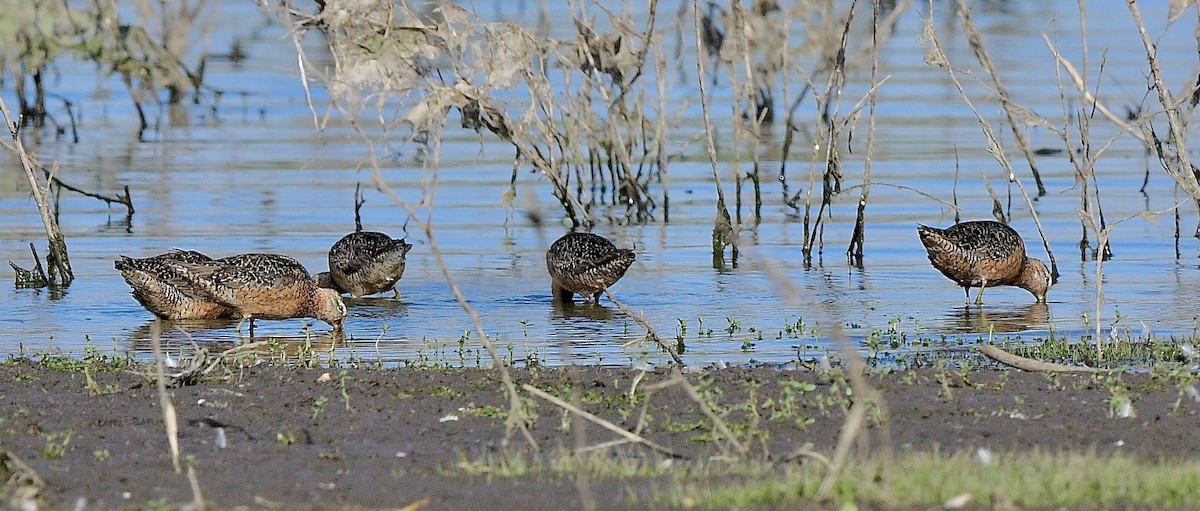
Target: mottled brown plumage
984, 254
161, 290
265, 286
585, 264
365, 263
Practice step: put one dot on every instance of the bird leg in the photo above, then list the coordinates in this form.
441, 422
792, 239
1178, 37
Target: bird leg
561, 294
979, 297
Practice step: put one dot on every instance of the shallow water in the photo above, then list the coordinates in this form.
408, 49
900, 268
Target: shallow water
254, 175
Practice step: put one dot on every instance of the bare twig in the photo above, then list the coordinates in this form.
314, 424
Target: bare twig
359, 200
981, 55
164, 400
722, 225
865, 395
123, 200
518, 416
1177, 163
35, 278
599, 421
718, 423
637, 318
1028, 364
57, 260
858, 236
829, 103
194, 483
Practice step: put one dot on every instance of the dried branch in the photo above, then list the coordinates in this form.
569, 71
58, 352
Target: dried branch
123, 200
627, 435
164, 400
57, 260
359, 200
723, 231
831, 175
35, 278
637, 318
1028, 364
858, 237
976, 43
1177, 162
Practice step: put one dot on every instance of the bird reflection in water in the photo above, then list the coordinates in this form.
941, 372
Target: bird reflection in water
585, 311
182, 335
183, 332
376, 307
582, 329
968, 319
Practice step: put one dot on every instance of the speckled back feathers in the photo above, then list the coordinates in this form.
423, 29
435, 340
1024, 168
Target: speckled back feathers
984, 254
161, 290
585, 264
365, 263
268, 286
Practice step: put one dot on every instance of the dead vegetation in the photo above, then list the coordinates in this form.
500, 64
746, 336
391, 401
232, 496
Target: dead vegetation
577, 113
154, 54
588, 115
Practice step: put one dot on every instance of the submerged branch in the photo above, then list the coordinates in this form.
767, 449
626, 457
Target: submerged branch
57, 260
35, 278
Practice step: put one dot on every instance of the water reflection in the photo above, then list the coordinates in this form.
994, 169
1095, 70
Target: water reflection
373, 307
270, 183
185, 335
572, 313
180, 330
974, 319
54, 292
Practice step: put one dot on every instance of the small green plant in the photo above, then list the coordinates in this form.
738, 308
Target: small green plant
732, 326
101, 454
790, 404
285, 438
487, 411
317, 405
159, 505
443, 391
56, 444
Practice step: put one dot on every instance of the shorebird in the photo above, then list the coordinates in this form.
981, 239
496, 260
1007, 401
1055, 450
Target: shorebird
264, 286
160, 290
985, 254
585, 264
365, 263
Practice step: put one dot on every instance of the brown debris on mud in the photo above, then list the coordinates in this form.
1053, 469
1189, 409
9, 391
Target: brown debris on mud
373, 438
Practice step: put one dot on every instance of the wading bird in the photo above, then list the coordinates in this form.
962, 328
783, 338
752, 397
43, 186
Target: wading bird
985, 254
264, 286
585, 264
365, 263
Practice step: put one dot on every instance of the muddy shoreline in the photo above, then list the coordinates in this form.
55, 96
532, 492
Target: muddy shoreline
386, 438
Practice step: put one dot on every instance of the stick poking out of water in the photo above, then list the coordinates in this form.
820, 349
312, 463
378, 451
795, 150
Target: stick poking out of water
1029, 364
57, 261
